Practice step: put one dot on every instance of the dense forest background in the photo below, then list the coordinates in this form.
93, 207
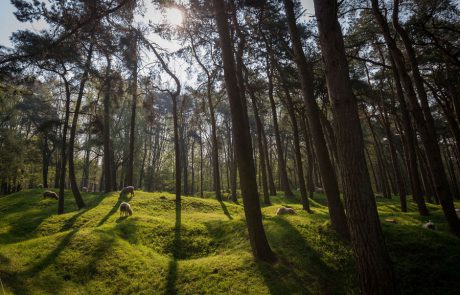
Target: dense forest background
359, 98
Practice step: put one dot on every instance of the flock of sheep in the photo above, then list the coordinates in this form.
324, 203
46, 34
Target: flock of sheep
125, 208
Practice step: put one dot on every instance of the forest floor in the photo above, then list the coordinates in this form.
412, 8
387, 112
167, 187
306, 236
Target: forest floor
200, 247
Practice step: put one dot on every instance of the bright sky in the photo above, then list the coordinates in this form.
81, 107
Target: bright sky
9, 23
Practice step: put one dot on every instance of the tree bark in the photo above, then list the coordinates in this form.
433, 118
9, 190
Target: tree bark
107, 160
305, 71
257, 237
374, 265
73, 130
262, 157
132, 135
64, 147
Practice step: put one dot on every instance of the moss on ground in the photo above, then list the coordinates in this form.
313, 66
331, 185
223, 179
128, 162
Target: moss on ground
200, 246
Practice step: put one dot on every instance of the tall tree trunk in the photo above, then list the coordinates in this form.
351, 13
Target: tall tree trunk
395, 166
258, 240
212, 117
201, 163
192, 191
383, 180
46, 158
271, 182
305, 71
262, 157
107, 159
132, 132
409, 143
298, 157
310, 167
374, 265
86, 162
73, 130
62, 176
284, 182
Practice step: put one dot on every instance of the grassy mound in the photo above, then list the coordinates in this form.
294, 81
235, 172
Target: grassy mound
201, 247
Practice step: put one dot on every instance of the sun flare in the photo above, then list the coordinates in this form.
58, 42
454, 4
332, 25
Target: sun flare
173, 16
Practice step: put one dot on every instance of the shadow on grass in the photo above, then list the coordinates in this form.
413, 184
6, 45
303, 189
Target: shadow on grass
17, 281
114, 209
171, 277
300, 269
35, 211
224, 208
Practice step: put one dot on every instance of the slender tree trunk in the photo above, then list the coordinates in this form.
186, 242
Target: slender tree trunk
86, 162
374, 265
378, 152
177, 149
201, 164
212, 117
271, 182
46, 158
310, 167
396, 170
284, 182
62, 176
298, 157
107, 159
132, 132
258, 240
262, 157
73, 131
192, 192
409, 142
305, 71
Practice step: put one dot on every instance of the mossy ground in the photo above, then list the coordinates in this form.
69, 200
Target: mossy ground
200, 247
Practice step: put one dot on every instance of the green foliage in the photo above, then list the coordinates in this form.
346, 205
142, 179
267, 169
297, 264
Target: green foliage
200, 247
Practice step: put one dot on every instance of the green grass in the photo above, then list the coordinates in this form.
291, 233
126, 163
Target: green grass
201, 247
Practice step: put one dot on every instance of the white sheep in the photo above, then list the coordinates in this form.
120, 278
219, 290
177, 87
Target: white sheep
84, 189
125, 209
285, 210
457, 211
429, 225
127, 190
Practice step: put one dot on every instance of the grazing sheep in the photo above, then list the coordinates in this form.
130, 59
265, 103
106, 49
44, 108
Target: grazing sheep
429, 225
50, 195
457, 211
127, 190
125, 209
285, 210
84, 189
162, 197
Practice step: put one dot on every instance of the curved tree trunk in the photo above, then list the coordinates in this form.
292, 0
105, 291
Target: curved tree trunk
73, 131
